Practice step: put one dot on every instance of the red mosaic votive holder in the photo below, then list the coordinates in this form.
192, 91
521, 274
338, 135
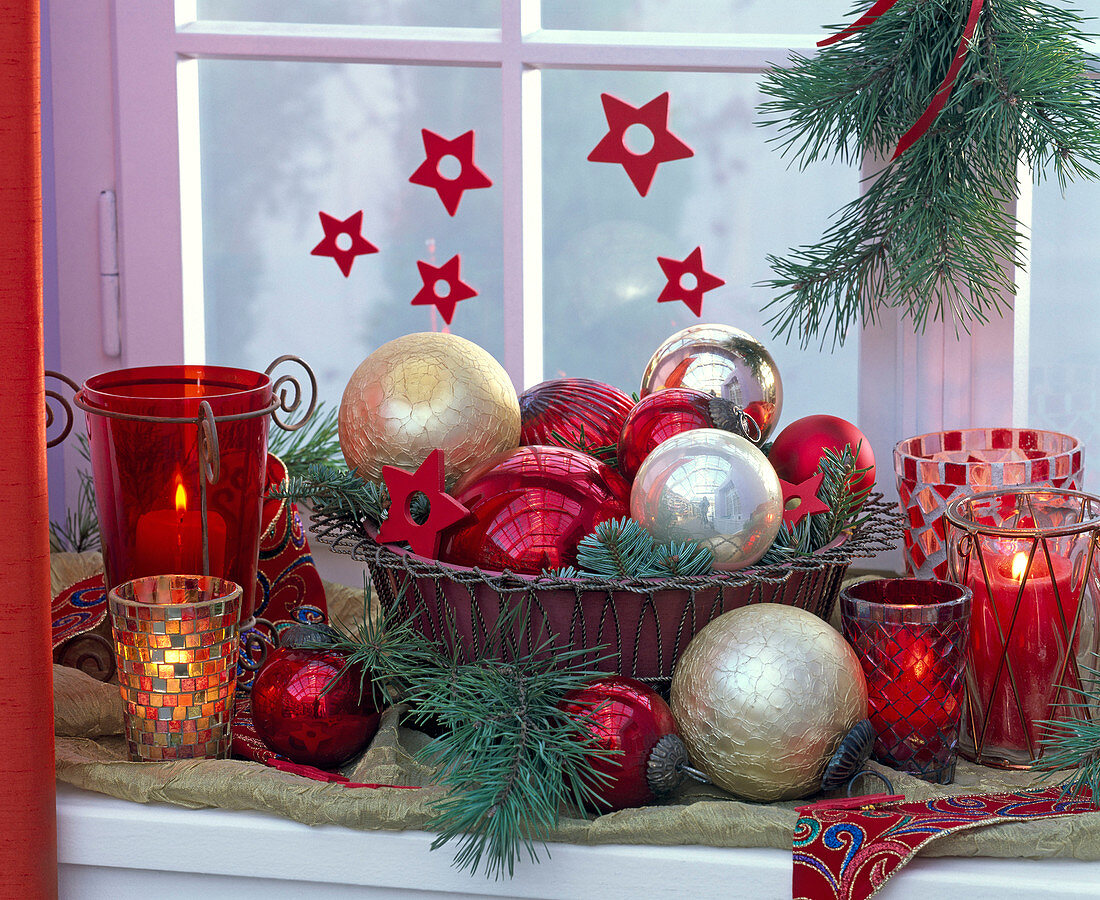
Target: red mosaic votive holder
934, 469
176, 643
911, 637
1029, 555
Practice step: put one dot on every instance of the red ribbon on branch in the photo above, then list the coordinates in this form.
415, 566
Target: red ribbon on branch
939, 101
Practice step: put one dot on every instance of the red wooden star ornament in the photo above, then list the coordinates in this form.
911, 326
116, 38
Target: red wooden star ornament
800, 500
344, 256
687, 280
612, 148
443, 509
437, 149
442, 289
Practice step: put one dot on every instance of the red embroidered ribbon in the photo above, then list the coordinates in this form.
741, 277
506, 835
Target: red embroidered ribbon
842, 853
939, 101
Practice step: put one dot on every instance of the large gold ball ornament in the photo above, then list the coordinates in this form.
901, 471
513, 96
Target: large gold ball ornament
763, 696
424, 391
722, 361
713, 487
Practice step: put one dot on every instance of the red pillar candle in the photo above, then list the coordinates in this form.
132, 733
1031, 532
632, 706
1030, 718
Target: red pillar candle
1018, 646
169, 541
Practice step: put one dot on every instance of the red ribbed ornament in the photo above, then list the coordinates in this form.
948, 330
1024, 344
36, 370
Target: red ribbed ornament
657, 418
297, 717
530, 507
626, 716
566, 406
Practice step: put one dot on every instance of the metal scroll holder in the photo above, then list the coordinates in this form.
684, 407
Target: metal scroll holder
286, 398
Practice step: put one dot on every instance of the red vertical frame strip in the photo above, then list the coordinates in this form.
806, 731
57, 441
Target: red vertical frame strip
28, 830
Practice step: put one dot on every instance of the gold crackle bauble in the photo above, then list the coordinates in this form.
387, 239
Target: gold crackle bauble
710, 486
424, 391
722, 361
763, 695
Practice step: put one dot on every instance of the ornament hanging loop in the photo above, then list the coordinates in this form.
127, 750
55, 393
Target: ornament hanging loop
288, 401
730, 417
55, 398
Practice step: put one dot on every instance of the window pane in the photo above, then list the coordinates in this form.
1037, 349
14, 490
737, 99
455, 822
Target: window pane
453, 13
736, 199
736, 16
1064, 327
282, 142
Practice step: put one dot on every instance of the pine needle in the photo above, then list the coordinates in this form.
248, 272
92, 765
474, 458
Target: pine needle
315, 443
622, 548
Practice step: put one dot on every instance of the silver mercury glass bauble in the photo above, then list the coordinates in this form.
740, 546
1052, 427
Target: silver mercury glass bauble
762, 697
722, 361
713, 487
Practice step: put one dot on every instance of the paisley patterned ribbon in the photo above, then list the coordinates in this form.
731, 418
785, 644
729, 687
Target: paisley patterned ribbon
849, 854
922, 124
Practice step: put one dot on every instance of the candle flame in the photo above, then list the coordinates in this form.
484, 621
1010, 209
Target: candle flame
1019, 565
181, 497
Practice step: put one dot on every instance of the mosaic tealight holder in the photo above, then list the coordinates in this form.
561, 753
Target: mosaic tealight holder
934, 469
176, 642
911, 637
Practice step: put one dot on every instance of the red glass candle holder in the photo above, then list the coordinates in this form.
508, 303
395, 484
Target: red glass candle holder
934, 469
911, 637
178, 459
1030, 558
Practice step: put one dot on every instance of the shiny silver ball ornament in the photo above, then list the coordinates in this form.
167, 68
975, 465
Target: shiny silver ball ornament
722, 361
763, 695
710, 486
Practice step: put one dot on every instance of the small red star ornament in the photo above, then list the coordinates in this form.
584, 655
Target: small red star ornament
641, 167
801, 500
431, 294
700, 281
443, 509
450, 190
351, 226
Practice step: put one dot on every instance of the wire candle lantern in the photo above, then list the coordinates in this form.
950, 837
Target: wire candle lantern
1029, 556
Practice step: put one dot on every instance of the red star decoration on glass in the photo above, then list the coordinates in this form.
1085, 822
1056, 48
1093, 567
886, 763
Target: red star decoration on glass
437, 149
700, 280
430, 295
351, 226
800, 500
641, 167
443, 509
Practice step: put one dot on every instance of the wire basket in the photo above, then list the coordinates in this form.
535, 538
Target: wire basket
635, 627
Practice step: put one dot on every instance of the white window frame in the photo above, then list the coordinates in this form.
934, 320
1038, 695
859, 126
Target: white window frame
126, 136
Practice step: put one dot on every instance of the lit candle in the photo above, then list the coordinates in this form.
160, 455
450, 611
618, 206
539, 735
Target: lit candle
169, 541
1034, 647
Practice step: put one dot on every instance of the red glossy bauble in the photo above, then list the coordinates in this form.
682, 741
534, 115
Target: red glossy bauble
797, 450
566, 406
658, 417
630, 717
294, 719
530, 507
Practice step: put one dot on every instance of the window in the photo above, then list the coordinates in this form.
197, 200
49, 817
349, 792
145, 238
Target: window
235, 122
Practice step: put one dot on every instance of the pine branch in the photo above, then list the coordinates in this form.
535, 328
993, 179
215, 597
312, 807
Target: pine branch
930, 236
1071, 747
79, 531
316, 443
819, 530
339, 491
608, 454
622, 548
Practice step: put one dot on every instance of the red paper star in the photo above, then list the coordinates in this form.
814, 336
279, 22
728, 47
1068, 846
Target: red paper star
351, 226
457, 289
702, 281
805, 494
641, 167
443, 509
470, 177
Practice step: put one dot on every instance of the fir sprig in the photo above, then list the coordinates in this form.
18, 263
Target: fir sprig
622, 548
930, 236
819, 530
339, 491
1072, 746
608, 454
316, 443
79, 531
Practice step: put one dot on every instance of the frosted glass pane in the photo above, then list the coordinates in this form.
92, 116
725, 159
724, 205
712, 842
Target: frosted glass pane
453, 13
1064, 326
736, 199
735, 16
283, 141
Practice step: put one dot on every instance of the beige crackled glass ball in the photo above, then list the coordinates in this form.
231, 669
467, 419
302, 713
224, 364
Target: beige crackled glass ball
424, 391
763, 695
